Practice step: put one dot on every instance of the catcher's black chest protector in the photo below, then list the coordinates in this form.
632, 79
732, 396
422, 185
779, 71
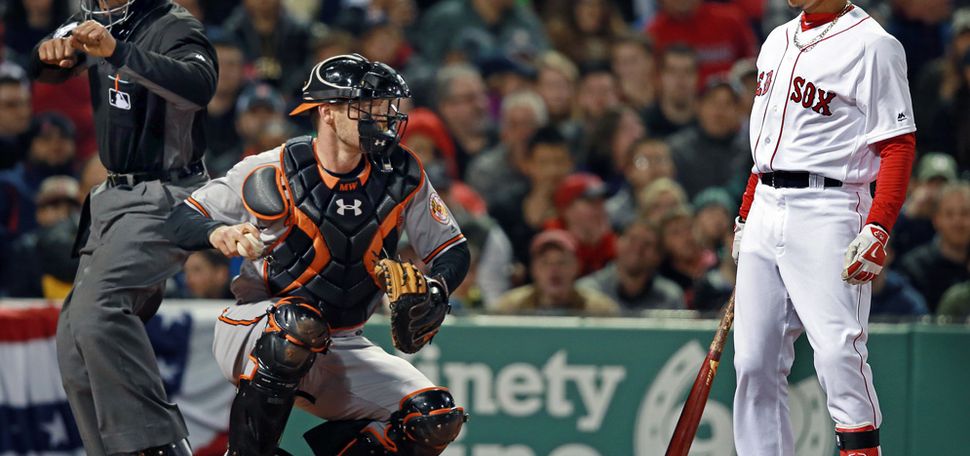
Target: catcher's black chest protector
339, 228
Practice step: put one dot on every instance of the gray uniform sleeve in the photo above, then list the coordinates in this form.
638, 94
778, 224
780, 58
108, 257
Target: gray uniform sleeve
221, 199
430, 227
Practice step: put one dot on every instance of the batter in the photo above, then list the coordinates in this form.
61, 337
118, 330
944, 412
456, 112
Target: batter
832, 113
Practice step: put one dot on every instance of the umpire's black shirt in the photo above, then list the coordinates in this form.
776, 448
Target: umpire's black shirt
149, 97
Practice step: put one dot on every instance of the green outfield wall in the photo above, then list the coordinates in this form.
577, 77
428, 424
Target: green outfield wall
585, 387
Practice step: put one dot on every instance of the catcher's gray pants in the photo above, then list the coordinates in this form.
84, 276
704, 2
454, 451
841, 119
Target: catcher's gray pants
107, 365
355, 380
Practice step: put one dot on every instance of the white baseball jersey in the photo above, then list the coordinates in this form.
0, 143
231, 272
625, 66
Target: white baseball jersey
816, 109
819, 110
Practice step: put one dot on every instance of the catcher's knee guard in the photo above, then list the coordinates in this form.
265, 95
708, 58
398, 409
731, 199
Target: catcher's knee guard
426, 423
296, 332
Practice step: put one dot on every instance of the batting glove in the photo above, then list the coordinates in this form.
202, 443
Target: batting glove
865, 255
736, 246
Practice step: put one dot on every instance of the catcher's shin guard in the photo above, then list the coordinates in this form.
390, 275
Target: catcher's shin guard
860, 440
426, 423
284, 353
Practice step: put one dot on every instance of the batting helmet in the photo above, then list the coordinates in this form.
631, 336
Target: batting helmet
354, 80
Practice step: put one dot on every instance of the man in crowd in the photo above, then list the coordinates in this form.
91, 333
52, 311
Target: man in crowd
632, 60
273, 40
936, 266
522, 214
675, 108
719, 32
712, 152
15, 114
50, 143
462, 103
207, 275
646, 161
220, 126
498, 171
632, 280
497, 24
25, 272
915, 224
555, 269
581, 210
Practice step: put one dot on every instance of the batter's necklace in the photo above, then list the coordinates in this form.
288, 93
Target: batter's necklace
806, 46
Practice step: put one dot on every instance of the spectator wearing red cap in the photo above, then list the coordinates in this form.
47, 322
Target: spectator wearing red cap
580, 204
555, 268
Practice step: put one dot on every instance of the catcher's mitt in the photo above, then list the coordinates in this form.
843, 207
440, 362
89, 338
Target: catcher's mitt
418, 304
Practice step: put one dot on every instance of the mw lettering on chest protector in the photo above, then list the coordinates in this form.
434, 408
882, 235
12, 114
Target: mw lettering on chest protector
810, 96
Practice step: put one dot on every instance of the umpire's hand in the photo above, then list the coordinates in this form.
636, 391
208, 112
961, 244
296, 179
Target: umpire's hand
92, 38
237, 240
58, 51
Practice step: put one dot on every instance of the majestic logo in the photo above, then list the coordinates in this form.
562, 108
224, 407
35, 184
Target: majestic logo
811, 96
119, 99
764, 83
342, 208
438, 209
901, 117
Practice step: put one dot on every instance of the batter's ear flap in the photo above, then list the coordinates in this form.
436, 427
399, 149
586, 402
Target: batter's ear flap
264, 195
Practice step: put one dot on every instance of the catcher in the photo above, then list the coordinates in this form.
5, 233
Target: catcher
319, 221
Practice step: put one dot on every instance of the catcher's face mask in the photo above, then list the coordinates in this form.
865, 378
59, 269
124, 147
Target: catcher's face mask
380, 125
107, 12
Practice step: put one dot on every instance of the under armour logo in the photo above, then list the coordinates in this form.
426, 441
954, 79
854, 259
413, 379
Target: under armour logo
346, 207
380, 142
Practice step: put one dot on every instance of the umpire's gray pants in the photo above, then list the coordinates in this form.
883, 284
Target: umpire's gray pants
107, 365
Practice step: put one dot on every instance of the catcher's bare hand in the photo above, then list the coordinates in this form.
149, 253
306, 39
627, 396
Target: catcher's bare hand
58, 51
237, 240
92, 38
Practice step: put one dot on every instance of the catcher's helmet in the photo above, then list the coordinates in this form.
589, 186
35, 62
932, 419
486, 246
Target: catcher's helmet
354, 80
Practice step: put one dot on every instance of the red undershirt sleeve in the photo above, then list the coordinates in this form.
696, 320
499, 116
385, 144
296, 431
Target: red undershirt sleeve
897, 155
748, 196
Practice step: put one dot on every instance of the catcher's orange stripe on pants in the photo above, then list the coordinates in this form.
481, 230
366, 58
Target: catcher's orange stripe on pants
355, 380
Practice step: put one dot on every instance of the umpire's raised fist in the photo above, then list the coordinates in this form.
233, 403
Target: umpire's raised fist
58, 51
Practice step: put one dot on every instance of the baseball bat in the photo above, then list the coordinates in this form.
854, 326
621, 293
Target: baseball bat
690, 416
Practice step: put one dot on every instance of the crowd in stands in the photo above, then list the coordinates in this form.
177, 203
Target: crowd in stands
593, 151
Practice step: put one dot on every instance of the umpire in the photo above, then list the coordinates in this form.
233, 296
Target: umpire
151, 72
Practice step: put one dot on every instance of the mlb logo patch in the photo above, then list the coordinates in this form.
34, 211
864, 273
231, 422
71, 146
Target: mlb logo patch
119, 99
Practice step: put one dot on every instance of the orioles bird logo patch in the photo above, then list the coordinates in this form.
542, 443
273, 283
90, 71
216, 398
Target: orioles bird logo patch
438, 209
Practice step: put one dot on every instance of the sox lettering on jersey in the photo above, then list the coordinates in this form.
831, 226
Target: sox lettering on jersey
806, 93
